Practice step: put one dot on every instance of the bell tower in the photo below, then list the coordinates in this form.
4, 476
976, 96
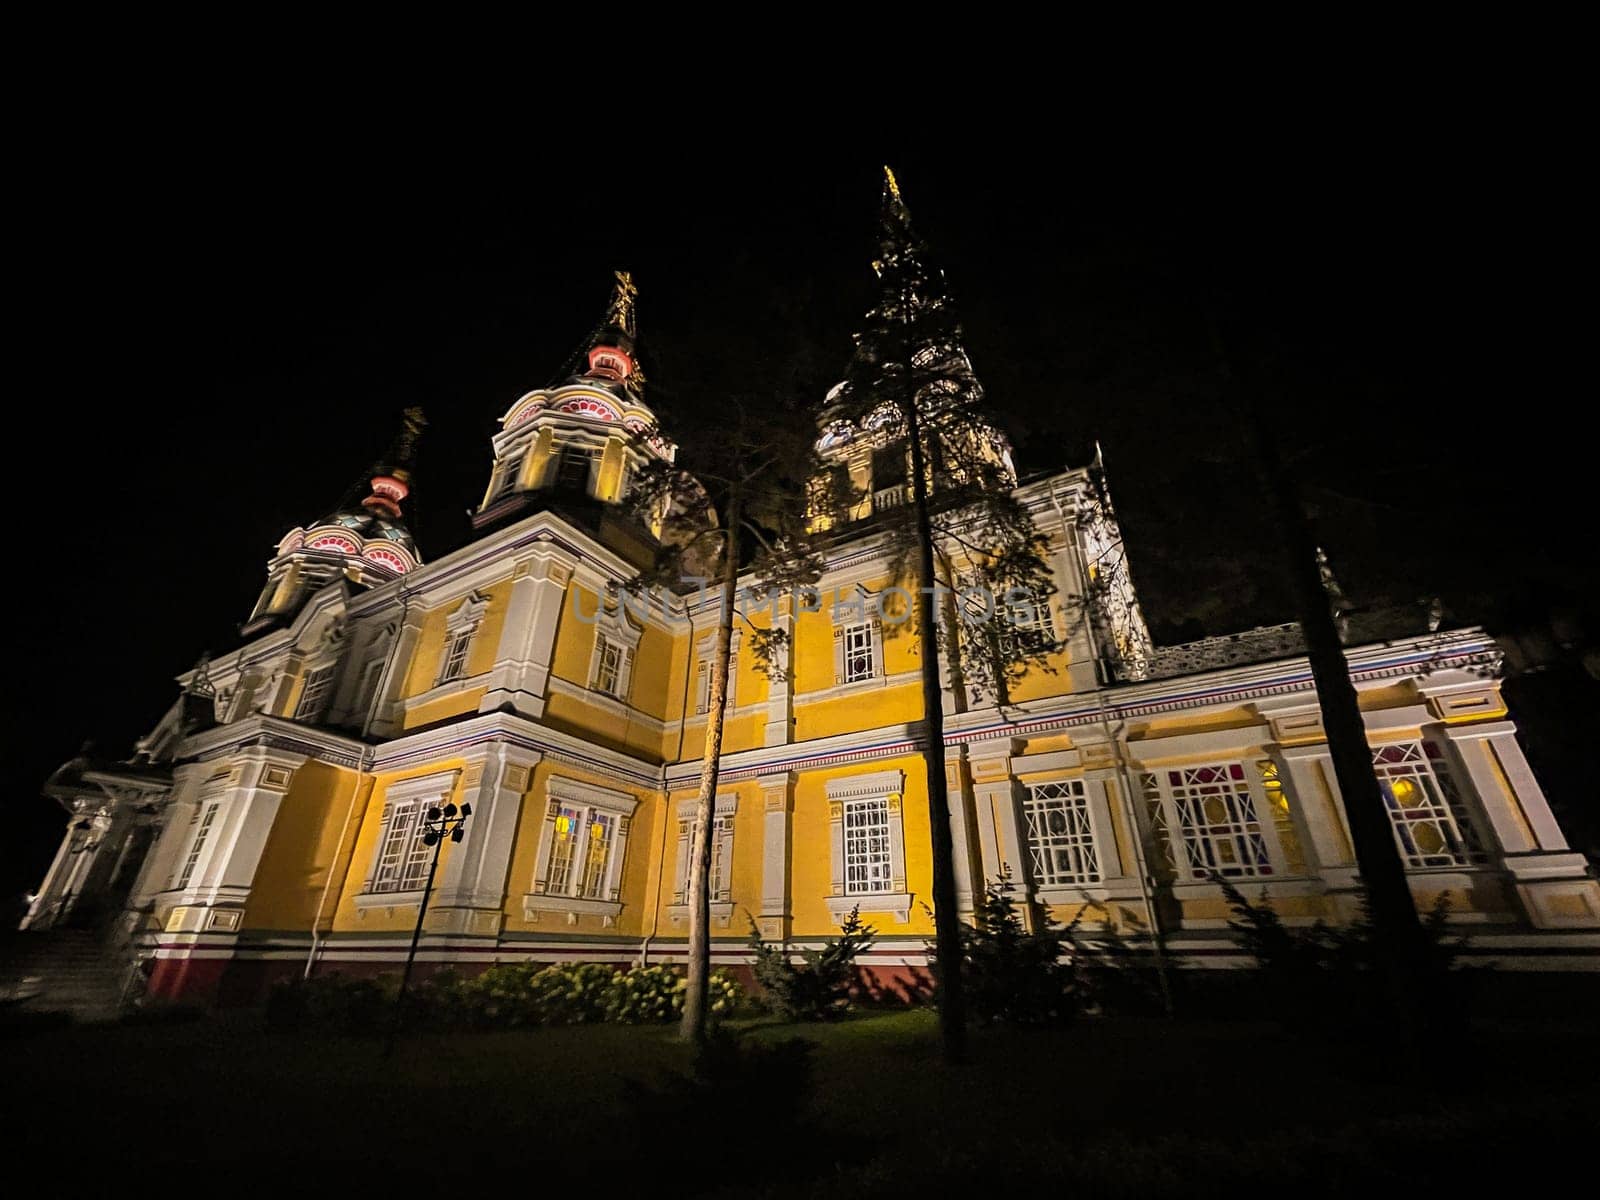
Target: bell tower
579, 440
364, 539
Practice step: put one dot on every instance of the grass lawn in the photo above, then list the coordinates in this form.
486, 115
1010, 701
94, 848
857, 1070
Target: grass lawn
1116, 1107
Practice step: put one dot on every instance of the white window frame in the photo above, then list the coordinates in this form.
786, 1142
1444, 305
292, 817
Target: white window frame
615, 631
1069, 796
1441, 806
511, 468
459, 631
857, 612
883, 790
1192, 850
586, 802
705, 655
594, 453
722, 822
316, 690
201, 822
400, 824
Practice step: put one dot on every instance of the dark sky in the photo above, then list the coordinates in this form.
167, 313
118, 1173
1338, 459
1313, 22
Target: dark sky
225, 332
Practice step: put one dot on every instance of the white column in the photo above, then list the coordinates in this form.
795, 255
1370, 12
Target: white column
159, 863
780, 689
995, 800
1104, 824
1511, 797
961, 806
777, 805
471, 893
1313, 789
1070, 611
388, 712
527, 640
244, 822
42, 912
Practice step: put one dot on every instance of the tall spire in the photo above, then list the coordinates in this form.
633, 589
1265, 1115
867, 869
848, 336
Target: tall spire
391, 475
612, 355
620, 316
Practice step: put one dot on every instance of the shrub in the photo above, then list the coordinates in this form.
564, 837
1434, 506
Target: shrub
646, 996
572, 993
334, 1003
655, 995
818, 987
1332, 979
1015, 975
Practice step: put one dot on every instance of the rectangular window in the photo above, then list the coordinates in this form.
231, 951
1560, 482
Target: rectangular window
574, 472
510, 469
1060, 840
314, 694
1430, 822
867, 867
455, 655
721, 856
1164, 864
402, 858
580, 852
567, 823
192, 859
597, 852
1217, 820
858, 653
702, 681
1029, 623
608, 674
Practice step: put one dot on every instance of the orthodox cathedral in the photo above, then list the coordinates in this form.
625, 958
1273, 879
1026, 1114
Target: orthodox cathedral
273, 823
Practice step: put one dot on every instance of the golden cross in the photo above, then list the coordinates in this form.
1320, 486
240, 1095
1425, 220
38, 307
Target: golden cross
622, 302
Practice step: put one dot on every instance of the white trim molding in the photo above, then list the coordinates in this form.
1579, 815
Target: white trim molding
565, 880
862, 792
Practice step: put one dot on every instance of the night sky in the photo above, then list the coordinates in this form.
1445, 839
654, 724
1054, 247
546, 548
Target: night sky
226, 343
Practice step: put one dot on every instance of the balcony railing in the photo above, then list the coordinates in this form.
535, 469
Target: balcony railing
889, 497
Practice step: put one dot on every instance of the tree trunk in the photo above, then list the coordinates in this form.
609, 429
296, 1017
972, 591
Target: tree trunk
1397, 929
693, 1027
947, 920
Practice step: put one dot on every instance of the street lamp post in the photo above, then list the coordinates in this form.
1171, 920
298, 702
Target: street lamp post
438, 825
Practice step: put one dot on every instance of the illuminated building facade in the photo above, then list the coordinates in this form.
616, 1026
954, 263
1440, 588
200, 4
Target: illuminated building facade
269, 825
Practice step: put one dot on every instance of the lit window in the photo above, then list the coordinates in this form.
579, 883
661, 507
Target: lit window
1430, 822
1294, 857
1215, 815
581, 840
867, 865
204, 819
314, 694
859, 653
1060, 840
402, 857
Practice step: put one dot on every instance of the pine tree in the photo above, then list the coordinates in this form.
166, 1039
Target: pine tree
963, 543
1398, 932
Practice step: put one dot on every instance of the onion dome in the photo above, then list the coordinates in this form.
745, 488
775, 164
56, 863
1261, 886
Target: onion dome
584, 436
364, 539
